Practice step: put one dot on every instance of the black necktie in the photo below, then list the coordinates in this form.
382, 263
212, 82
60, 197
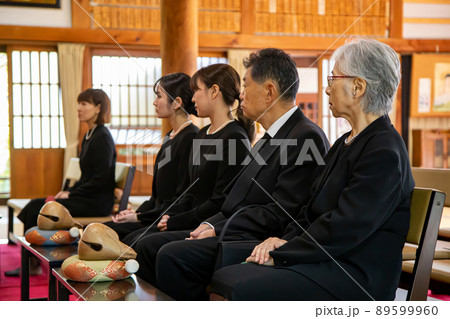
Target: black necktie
263, 140
244, 181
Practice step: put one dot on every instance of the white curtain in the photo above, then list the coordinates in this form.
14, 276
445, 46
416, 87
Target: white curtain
70, 58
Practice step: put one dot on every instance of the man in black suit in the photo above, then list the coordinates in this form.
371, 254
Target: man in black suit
184, 267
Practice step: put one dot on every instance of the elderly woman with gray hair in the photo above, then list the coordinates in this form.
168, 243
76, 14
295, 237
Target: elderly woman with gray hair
346, 243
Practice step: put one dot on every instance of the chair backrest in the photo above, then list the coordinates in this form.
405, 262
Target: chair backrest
426, 211
436, 178
124, 176
73, 173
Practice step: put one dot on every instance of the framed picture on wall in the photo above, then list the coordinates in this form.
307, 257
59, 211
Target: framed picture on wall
442, 87
32, 3
430, 85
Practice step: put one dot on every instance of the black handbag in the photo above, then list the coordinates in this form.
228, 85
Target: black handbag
233, 252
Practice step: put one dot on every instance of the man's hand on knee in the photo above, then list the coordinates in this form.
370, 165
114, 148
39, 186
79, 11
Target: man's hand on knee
202, 231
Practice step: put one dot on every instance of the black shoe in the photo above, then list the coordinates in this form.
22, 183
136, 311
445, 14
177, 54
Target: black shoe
13, 273
16, 272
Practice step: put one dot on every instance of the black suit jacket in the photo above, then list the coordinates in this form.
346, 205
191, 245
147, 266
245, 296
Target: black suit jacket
359, 214
285, 180
93, 194
206, 196
171, 179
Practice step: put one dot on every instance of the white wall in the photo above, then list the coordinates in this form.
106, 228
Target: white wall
427, 30
42, 17
309, 77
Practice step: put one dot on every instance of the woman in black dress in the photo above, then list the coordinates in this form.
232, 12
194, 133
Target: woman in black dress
93, 194
171, 170
216, 88
218, 155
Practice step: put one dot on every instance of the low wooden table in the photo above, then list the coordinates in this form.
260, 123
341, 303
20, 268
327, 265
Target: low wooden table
51, 256
130, 289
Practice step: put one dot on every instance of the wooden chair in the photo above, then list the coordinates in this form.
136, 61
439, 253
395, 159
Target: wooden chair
124, 175
426, 211
434, 178
73, 173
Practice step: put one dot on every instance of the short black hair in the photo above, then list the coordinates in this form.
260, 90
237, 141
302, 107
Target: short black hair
278, 66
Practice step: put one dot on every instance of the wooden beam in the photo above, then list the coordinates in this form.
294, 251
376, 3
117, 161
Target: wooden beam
320, 44
80, 17
396, 19
427, 20
248, 17
87, 69
419, 45
207, 41
427, 1
79, 35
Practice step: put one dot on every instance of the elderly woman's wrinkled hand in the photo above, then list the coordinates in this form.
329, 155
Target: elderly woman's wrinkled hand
260, 254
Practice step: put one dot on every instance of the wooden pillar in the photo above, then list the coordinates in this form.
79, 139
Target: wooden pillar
396, 19
179, 39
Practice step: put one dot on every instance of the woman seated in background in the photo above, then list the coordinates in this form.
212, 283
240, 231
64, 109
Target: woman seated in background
346, 243
171, 170
93, 194
213, 163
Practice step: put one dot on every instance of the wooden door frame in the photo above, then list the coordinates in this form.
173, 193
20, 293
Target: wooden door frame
48, 181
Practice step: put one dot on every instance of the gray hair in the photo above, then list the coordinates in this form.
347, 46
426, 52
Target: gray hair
376, 63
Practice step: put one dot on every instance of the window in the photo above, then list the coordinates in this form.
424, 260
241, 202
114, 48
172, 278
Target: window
36, 98
205, 61
129, 82
307, 92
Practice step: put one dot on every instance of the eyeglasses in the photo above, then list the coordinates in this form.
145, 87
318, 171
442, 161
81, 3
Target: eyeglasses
331, 78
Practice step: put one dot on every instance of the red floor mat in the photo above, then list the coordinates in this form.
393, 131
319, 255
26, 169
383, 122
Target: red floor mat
10, 286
